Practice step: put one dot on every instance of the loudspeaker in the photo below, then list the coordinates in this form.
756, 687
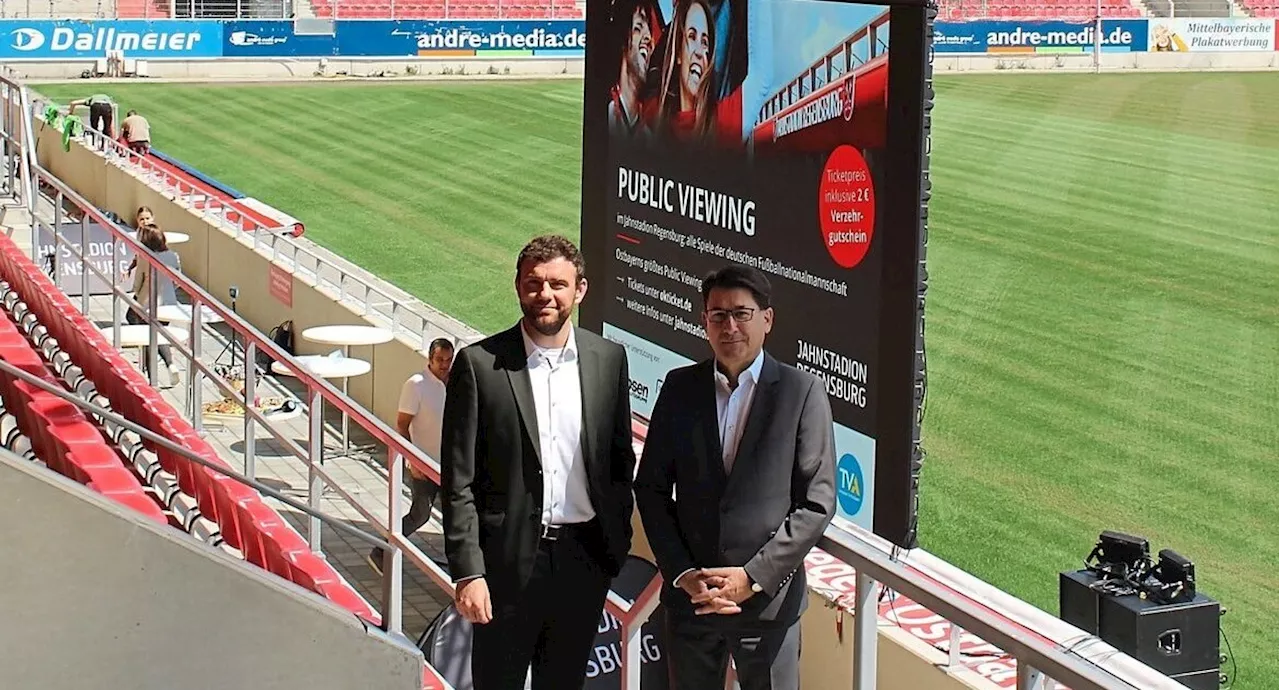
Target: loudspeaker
1173, 639
1077, 603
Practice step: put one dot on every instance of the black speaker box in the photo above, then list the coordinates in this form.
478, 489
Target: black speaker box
1077, 604
1178, 640
1171, 638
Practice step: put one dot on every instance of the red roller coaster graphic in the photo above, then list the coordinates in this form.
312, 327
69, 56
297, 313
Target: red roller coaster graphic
851, 106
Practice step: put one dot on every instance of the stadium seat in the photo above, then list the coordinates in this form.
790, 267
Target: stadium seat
61, 435
964, 10
59, 428
453, 9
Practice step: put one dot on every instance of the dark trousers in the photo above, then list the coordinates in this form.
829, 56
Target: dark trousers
100, 118
135, 318
765, 657
424, 494
550, 625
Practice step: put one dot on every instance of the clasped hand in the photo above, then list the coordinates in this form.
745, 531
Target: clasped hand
717, 590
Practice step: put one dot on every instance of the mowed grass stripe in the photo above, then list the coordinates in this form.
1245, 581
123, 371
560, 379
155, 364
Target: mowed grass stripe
429, 185
1102, 311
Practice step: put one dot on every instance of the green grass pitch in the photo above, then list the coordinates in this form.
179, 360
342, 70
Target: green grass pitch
1102, 312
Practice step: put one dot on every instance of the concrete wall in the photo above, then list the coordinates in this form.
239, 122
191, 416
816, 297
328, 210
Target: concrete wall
106, 599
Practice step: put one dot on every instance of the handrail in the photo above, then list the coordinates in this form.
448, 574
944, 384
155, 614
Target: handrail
844, 541
172, 447
282, 245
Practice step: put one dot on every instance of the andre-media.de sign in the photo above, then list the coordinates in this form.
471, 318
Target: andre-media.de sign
51, 40
201, 39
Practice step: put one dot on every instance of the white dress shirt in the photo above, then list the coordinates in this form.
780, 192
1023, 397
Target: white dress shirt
732, 407
557, 397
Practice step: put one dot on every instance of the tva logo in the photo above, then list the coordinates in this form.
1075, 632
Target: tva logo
849, 484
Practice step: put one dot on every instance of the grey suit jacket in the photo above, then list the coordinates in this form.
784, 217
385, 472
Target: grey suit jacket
766, 514
491, 472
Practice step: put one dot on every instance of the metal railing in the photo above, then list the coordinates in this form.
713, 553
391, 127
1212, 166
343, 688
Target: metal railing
1039, 660
404, 317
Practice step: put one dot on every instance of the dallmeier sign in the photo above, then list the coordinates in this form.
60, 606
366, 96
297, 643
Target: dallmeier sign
83, 39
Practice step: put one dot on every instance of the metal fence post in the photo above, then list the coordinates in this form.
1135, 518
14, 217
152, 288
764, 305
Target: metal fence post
393, 559
115, 297
195, 377
315, 485
865, 615
1028, 677
153, 294
250, 395
84, 265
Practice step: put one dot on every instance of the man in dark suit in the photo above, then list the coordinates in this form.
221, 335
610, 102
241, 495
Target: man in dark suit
746, 442
537, 468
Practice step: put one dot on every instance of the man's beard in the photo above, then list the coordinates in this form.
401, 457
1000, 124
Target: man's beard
531, 314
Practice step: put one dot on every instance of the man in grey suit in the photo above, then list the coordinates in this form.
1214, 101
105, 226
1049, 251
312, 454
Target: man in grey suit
747, 445
536, 467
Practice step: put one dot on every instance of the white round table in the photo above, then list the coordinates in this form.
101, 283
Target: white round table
329, 367
326, 367
346, 336
182, 313
170, 238
139, 335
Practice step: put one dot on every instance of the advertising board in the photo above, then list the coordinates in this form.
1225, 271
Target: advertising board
68, 265
273, 39
1208, 35
1118, 35
461, 38
51, 40
787, 136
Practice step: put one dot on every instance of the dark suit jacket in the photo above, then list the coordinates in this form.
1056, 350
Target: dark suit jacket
766, 514
490, 469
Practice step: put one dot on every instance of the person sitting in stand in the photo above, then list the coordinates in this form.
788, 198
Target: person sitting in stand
137, 133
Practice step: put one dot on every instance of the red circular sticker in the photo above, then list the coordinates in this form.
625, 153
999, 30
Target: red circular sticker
846, 206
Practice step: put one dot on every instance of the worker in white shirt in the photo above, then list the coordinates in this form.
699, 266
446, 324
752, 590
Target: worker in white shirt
419, 419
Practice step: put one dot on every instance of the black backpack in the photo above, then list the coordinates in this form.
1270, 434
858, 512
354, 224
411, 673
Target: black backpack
281, 335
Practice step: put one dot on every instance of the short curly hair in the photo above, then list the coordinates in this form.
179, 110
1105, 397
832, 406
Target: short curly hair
546, 248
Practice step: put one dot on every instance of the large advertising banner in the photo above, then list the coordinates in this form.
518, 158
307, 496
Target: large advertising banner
759, 132
462, 38
1207, 35
1118, 35
51, 40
